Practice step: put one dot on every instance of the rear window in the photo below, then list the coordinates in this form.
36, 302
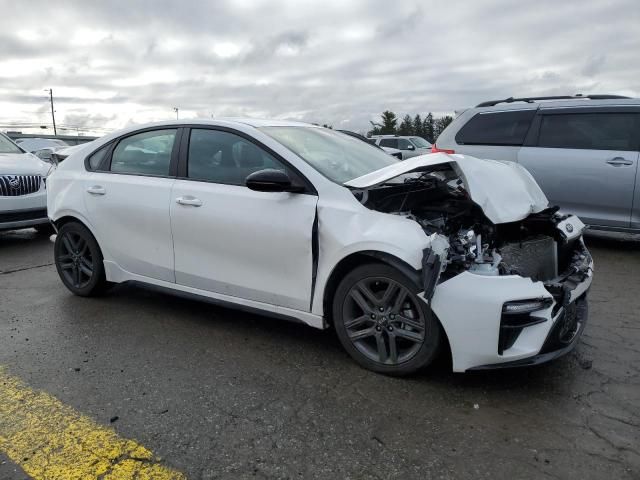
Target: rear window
496, 128
593, 131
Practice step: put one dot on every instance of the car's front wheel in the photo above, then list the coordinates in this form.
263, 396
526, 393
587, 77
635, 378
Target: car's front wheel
79, 260
382, 323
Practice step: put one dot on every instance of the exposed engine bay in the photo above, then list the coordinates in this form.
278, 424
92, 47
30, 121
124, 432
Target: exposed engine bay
437, 200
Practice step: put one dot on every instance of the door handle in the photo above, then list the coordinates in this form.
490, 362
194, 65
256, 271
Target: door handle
188, 200
619, 161
96, 190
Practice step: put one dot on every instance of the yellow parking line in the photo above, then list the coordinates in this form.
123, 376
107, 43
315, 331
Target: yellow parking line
50, 440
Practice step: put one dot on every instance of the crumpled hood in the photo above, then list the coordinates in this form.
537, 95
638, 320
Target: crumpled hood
22, 164
505, 191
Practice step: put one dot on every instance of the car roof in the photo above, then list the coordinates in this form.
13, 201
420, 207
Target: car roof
229, 122
534, 103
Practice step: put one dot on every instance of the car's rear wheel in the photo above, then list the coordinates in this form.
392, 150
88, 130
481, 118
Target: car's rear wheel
382, 323
79, 260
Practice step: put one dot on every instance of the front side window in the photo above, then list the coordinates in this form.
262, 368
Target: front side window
389, 142
223, 157
496, 128
404, 144
594, 131
7, 146
338, 157
420, 142
146, 153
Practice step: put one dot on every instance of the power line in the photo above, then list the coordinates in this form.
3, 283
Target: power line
62, 126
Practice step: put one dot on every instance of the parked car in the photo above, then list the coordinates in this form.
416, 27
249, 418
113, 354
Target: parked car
46, 153
60, 154
409, 146
34, 144
23, 196
583, 150
394, 152
298, 221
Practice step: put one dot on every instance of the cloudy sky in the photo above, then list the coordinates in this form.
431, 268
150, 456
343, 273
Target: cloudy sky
341, 62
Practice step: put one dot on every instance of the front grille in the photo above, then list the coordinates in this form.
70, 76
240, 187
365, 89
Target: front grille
17, 185
567, 326
21, 215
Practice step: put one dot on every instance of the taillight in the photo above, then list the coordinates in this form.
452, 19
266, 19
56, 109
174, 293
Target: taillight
435, 149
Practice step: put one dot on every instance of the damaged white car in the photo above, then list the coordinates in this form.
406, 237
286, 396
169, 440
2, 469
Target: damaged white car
403, 259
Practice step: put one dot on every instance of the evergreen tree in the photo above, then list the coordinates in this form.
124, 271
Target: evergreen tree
417, 126
428, 128
375, 130
387, 126
441, 124
406, 127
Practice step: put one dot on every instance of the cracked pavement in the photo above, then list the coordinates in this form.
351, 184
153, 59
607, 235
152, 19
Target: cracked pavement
219, 393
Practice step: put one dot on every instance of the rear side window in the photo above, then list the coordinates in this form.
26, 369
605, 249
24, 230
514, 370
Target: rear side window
496, 128
593, 131
96, 158
146, 153
389, 142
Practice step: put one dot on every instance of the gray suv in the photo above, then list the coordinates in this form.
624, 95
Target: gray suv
582, 150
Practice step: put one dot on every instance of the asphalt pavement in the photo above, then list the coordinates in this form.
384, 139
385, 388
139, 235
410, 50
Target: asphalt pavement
218, 393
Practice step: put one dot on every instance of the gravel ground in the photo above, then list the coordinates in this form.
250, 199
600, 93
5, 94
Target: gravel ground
223, 394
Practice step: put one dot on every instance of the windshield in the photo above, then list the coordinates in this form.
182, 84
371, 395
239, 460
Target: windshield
7, 146
420, 142
337, 156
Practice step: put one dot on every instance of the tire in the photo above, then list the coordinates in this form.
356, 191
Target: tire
79, 260
44, 229
382, 323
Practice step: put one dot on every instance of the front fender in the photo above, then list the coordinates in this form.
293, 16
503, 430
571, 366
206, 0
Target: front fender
343, 233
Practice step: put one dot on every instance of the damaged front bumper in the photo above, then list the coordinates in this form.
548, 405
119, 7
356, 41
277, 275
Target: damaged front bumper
570, 321
470, 309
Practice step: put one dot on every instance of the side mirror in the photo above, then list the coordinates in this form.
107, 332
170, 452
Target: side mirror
410, 147
270, 180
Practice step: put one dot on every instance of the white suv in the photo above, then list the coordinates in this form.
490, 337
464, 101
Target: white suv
410, 146
23, 196
583, 150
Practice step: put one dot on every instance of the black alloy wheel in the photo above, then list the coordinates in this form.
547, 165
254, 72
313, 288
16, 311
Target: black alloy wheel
78, 260
382, 322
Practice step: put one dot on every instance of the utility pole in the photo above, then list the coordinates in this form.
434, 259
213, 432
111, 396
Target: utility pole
176, 109
53, 116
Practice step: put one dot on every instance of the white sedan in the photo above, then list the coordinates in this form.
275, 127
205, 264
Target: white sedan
301, 222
